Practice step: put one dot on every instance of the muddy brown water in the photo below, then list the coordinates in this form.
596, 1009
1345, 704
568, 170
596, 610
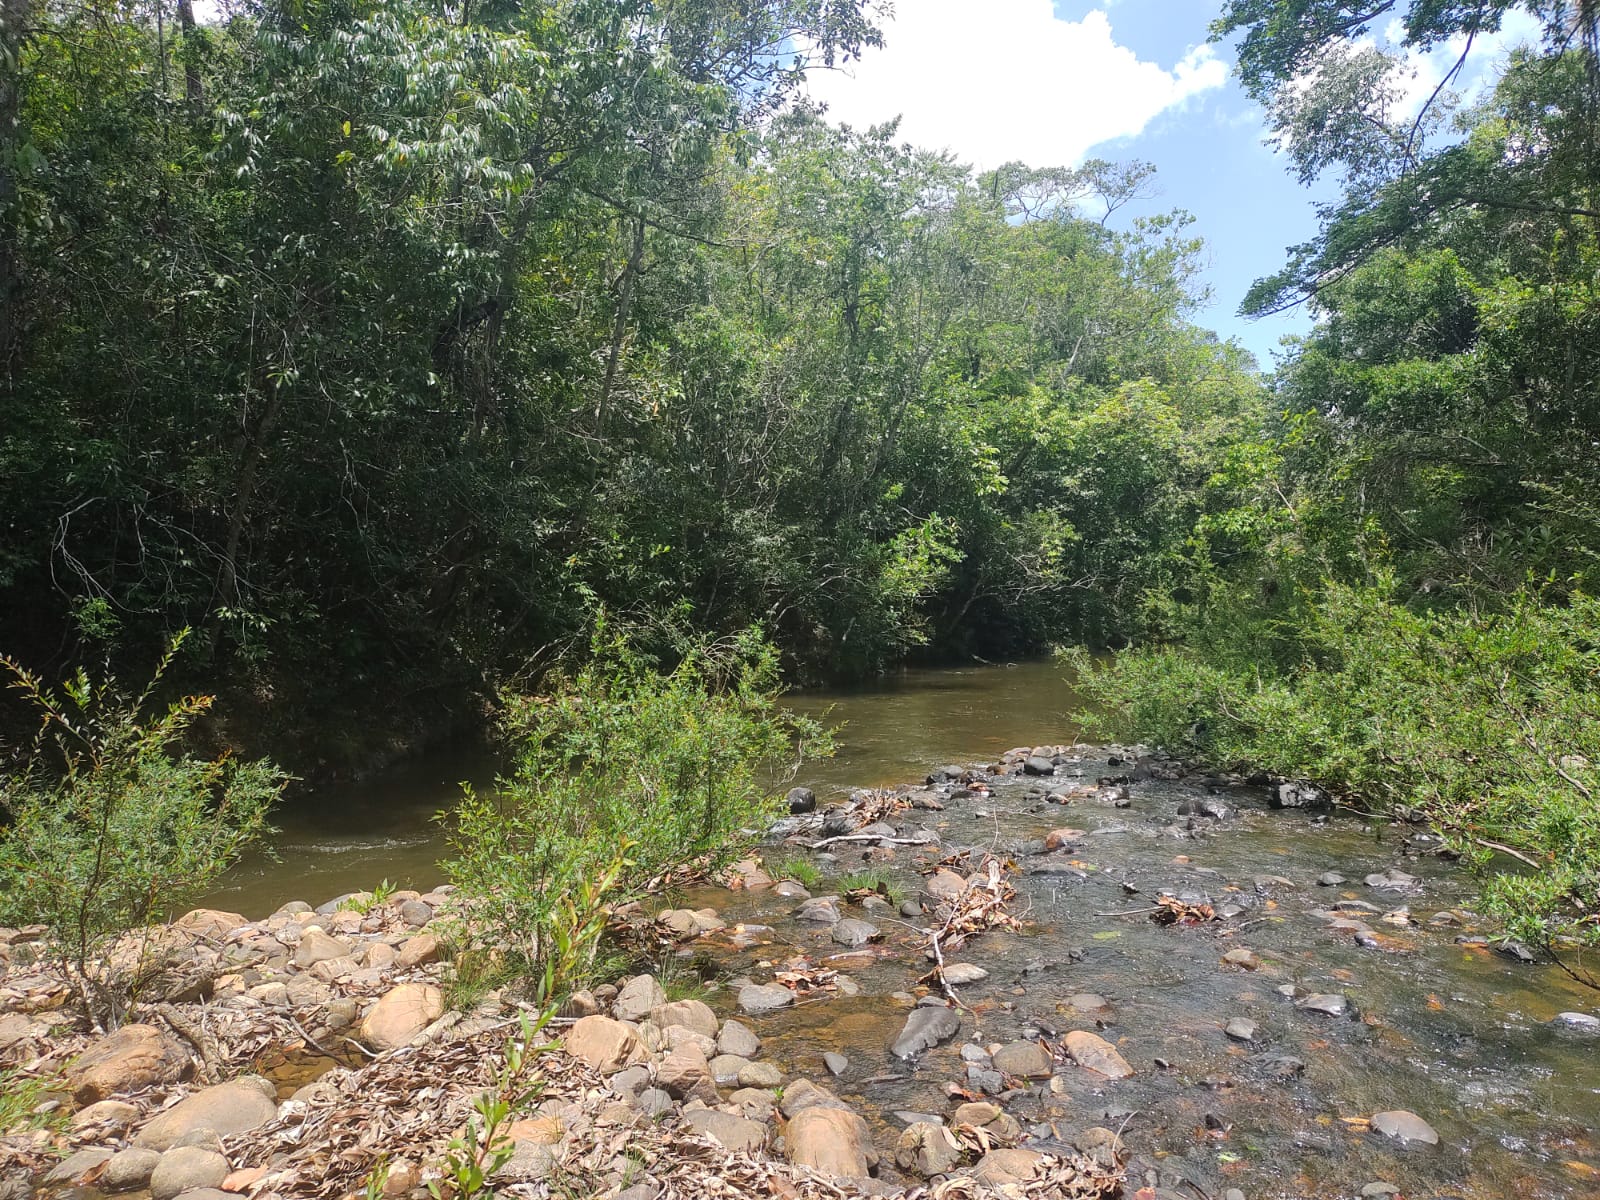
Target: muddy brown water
1456, 1033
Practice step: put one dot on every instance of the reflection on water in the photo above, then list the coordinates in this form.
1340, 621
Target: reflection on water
346, 837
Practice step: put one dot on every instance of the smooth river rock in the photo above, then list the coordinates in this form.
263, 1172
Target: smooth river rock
764, 997
400, 1015
237, 1106
185, 1169
135, 1056
604, 1044
925, 1028
1094, 1053
1405, 1127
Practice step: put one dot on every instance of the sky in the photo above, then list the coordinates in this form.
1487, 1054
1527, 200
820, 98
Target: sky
1054, 84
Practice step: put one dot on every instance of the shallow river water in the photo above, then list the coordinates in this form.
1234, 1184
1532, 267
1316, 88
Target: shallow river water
1450, 1030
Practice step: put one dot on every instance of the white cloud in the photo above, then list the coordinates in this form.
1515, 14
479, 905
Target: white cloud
1007, 80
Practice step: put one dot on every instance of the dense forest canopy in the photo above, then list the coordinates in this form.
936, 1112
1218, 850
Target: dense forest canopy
383, 343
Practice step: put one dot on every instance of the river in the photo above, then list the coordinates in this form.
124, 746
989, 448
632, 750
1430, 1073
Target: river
1436, 1022
346, 837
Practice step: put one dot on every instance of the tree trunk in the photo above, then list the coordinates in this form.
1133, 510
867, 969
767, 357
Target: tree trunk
193, 90
14, 16
619, 326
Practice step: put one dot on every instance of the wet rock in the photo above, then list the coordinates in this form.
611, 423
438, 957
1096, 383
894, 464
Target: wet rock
925, 1029
400, 1015
851, 932
1036, 765
1517, 951
78, 1169
1000, 1167
237, 1106
1581, 1022
1088, 1002
128, 1170
802, 800
605, 1044
185, 1168
1392, 880
1332, 1004
640, 996
831, 1141
1405, 1127
735, 1134
803, 1094
944, 885
1241, 957
1241, 1029
1094, 1053
1024, 1060
927, 1149
316, 946
1379, 1190
1279, 1066
1297, 795
837, 1064
962, 974
764, 998
1330, 879
788, 889
133, 1057
693, 1014
822, 909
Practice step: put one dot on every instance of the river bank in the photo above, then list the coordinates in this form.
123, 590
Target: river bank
1320, 1016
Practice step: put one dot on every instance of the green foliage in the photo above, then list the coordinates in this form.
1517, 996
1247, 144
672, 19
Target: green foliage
482, 1148
874, 879
624, 775
21, 1098
110, 825
365, 902
797, 867
1487, 725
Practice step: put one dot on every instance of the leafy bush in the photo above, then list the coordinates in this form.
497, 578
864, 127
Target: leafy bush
624, 775
1486, 725
110, 826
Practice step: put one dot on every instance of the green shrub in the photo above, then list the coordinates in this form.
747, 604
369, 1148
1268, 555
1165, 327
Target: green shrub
1487, 725
623, 776
110, 826
801, 870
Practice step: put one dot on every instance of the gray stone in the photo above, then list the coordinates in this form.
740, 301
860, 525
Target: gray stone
1241, 1029
237, 1106
1378, 1190
638, 997
837, 1064
1330, 879
736, 1134
961, 974
802, 800
1582, 1022
822, 909
1036, 765
851, 932
725, 1068
185, 1168
737, 1038
654, 1102
415, 913
1332, 1004
764, 998
927, 1149
1024, 1060
759, 1075
75, 1169
925, 1029
1405, 1127
128, 1170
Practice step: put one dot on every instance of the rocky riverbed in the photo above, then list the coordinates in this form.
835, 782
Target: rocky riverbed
1029, 977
